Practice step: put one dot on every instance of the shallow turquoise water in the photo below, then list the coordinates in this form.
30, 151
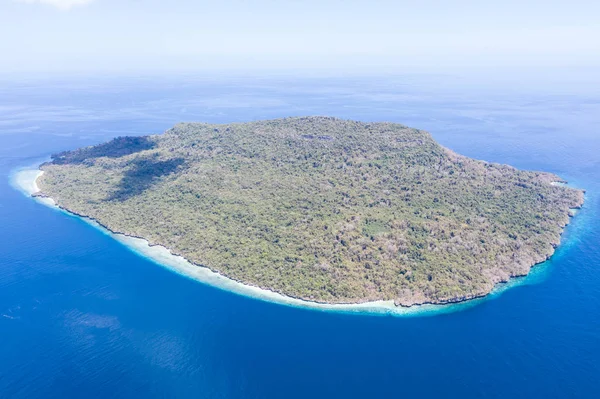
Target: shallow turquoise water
81, 315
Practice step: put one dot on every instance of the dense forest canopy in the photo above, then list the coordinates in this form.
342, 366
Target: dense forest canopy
321, 208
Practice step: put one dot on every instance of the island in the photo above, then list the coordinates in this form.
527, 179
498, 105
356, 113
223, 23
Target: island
321, 209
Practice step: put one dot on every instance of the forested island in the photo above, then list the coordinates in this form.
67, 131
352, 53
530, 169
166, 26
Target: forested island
319, 208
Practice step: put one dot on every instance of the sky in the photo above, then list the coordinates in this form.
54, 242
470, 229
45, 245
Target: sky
47, 36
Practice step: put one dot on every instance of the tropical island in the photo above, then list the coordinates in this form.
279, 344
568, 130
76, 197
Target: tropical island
321, 209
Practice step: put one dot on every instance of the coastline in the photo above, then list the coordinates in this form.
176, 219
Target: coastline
25, 180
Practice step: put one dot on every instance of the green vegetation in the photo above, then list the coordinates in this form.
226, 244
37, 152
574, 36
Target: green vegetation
320, 208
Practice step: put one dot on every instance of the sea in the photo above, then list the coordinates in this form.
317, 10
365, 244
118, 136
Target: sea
83, 316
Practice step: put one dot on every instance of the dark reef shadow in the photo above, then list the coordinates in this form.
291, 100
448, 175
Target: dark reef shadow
141, 174
116, 148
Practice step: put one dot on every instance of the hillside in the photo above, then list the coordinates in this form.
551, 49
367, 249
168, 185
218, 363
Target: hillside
320, 208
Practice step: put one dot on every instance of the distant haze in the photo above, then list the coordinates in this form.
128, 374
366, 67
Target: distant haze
48, 36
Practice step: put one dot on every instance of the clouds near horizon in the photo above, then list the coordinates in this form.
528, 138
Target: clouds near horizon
60, 4
357, 35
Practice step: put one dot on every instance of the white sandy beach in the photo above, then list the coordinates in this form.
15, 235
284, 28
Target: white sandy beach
26, 181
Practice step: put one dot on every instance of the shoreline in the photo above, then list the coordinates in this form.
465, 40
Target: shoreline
25, 180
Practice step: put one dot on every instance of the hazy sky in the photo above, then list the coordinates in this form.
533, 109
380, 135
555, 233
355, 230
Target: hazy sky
131, 35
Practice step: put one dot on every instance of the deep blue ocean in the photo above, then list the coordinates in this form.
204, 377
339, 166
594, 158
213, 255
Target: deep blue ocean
83, 316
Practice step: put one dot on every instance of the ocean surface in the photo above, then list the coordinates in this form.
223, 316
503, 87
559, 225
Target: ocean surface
81, 315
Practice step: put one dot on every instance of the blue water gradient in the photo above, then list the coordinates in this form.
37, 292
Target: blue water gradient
83, 316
